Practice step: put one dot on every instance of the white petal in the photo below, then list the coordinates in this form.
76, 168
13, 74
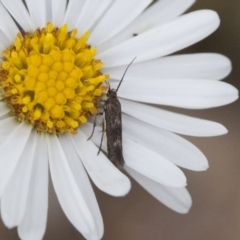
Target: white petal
151, 164
4, 109
34, 222
178, 199
48, 11
10, 29
158, 13
1, 50
8, 158
38, 12
5, 40
17, 9
58, 11
200, 66
171, 146
144, 160
173, 122
185, 155
160, 41
14, 199
102, 172
184, 93
66, 188
161, 12
7, 125
74, 8
90, 13
114, 21
83, 182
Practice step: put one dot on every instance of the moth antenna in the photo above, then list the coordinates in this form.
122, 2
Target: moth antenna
125, 73
108, 85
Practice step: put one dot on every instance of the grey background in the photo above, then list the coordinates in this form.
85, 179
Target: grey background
215, 214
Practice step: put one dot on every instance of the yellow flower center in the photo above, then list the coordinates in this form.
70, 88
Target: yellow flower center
50, 79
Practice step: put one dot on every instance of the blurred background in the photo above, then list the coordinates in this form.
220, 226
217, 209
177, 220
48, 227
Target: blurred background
215, 213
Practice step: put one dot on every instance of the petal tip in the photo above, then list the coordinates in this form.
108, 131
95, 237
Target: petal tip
205, 167
186, 209
223, 130
121, 187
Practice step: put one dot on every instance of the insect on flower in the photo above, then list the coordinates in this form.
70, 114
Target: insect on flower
112, 124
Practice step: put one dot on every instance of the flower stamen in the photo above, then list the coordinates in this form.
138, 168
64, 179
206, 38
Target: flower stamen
51, 79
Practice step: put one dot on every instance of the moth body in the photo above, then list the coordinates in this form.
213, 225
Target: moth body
112, 125
113, 128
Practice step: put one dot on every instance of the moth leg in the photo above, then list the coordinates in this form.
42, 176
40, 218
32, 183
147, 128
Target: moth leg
94, 124
103, 130
108, 84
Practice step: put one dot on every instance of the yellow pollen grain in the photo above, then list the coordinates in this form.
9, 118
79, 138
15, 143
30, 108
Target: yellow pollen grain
67, 56
60, 85
35, 60
50, 102
51, 80
83, 119
60, 98
62, 76
30, 82
52, 91
98, 92
68, 92
44, 69
74, 124
5, 65
17, 78
50, 27
57, 112
68, 67
14, 91
26, 99
24, 109
75, 73
57, 66
56, 56
37, 114
42, 96
43, 77
53, 74
40, 86
33, 72
6, 53
89, 105
47, 60
71, 82
61, 124
50, 124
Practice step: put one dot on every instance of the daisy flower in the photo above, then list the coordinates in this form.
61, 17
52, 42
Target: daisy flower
56, 57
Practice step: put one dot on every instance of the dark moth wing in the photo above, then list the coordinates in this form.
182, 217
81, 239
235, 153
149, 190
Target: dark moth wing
113, 128
113, 125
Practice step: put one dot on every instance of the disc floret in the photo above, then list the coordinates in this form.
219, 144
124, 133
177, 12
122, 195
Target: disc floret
50, 79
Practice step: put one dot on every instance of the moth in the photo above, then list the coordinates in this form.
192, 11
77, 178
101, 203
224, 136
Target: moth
112, 125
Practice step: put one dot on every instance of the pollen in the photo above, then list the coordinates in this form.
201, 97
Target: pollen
51, 80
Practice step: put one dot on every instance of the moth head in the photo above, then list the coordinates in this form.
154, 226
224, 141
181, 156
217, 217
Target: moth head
112, 93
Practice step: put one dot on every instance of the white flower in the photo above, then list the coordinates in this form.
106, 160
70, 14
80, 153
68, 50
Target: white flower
120, 30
